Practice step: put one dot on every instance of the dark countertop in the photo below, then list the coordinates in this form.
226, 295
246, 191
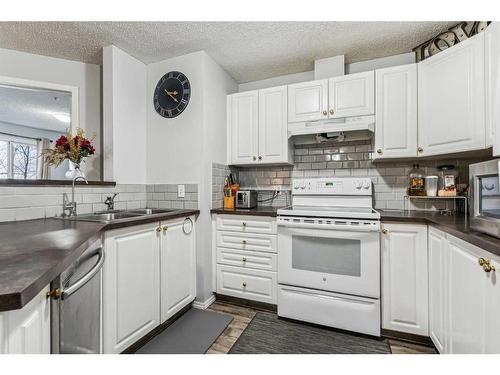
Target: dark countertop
257, 211
34, 252
456, 225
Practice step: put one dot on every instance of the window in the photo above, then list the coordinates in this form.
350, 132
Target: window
18, 157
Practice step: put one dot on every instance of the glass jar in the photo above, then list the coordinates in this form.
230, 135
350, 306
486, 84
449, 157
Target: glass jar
416, 181
448, 176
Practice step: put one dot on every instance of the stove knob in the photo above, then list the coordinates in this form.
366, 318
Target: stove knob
296, 186
303, 185
366, 185
358, 185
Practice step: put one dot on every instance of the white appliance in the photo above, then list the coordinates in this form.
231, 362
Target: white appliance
329, 255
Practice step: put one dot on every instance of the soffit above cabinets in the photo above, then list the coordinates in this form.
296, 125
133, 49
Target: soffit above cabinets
248, 51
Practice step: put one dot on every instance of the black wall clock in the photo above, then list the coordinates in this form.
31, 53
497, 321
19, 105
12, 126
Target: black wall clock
172, 94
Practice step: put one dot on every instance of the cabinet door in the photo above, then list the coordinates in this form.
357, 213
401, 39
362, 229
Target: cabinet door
404, 278
131, 285
27, 331
308, 101
492, 309
396, 114
352, 95
466, 283
273, 137
178, 266
492, 83
451, 116
437, 288
243, 120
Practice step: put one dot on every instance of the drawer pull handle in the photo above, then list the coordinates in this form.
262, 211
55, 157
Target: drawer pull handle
244, 242
244, 259
244, 284
244, 224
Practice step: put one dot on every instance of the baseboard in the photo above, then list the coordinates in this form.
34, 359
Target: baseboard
203, 305
408, 337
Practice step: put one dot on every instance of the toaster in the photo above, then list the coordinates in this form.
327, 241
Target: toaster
246, 199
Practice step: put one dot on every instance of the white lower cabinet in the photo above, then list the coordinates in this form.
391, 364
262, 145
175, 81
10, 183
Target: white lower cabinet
245, 253
144, 265
464, 298
404, 278
178, 266
27, 331
437, 295
131, 285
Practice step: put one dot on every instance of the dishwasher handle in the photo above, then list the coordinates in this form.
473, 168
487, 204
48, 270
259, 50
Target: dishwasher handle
86, 278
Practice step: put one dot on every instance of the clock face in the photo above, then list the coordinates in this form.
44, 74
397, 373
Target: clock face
172, 94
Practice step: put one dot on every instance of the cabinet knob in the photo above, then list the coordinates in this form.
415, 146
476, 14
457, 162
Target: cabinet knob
244, 259
332, 111
379, 151
487, 267
158, 229
254, 158
325, 113
244, 224
54, 293
260, 157
164, 228
420, 149
384, 231
244, 242
244, 284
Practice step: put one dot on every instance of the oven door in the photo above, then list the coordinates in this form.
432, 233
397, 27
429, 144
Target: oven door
340, 256
485, 198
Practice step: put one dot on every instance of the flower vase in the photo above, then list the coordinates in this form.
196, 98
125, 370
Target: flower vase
74, 171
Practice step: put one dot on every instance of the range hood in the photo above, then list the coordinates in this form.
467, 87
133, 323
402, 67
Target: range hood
341, 125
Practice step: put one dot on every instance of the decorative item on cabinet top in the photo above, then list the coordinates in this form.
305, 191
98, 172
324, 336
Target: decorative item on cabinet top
447, 39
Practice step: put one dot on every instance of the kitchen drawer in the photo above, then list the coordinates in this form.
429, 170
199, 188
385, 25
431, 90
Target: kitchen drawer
245, 283
247, 259
246, 224
247, 241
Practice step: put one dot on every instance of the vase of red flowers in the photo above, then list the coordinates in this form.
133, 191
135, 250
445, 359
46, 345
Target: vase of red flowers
72, 148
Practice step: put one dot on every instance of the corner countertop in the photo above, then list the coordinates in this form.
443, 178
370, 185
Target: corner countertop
257, 211
34, 252
456, 225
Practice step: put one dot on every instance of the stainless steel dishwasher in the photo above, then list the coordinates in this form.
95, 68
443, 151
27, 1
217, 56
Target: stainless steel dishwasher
76, 305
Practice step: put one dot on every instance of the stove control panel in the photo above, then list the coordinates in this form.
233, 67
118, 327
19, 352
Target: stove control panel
332, 186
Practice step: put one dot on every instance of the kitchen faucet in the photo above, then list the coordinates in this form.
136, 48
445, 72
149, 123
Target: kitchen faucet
71, 205
110, 202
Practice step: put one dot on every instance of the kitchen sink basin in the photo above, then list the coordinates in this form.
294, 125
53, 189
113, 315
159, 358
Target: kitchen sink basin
107, 217
152, 211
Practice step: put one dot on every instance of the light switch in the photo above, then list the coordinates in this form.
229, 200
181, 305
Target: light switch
181, 191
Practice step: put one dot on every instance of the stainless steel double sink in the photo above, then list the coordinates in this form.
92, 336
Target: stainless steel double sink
112, 216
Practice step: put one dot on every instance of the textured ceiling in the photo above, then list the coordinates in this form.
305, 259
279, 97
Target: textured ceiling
34, 108
248, 51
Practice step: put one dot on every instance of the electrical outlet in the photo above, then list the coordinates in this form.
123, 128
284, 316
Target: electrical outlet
181, 191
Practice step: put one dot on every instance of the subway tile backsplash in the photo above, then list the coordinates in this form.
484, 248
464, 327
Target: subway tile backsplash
24, 203
343, 159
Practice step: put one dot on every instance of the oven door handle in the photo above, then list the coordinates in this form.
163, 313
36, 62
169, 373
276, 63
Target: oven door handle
345, 227
85, 278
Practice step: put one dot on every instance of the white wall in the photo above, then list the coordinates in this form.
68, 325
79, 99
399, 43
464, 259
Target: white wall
124, 117
174, 145
87, 77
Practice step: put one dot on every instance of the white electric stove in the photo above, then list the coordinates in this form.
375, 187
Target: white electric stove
329, 255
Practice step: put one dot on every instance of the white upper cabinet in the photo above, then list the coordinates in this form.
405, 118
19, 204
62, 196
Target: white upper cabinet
396, 112
257, 127
273, 137
178, 266
451, 115
404, 278
308, 101
243, 123
351, 95
492, 86
437, 288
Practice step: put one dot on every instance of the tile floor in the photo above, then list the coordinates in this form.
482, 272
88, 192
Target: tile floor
243, 315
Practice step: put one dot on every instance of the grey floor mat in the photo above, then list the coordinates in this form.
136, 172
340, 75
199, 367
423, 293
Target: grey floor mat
266, 334
193, 333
